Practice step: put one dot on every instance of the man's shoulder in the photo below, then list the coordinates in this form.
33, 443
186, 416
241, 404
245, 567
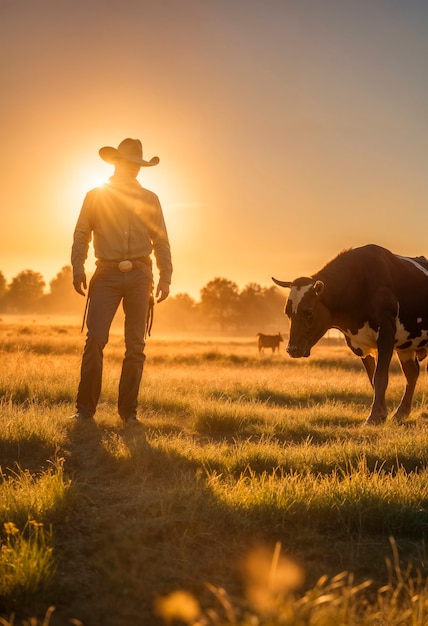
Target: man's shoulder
100, 190
148, 195
110, 190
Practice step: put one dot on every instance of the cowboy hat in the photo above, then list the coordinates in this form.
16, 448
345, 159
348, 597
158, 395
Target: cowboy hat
129, 149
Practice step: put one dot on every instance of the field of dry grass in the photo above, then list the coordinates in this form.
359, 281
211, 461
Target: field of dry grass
251, 494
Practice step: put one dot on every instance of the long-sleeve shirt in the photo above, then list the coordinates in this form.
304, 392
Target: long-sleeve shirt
127, 222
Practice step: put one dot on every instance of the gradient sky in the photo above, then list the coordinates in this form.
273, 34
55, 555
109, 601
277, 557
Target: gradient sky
287, 130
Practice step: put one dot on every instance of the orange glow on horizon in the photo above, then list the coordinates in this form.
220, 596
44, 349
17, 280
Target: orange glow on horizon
303, 133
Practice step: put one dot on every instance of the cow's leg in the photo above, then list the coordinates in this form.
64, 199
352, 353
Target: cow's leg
385, 349
369, 363
410, 367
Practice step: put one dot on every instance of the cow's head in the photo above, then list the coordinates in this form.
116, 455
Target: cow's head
309, 317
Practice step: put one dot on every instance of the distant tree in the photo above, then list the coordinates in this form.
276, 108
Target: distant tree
62, 298
252, 305
182, 307
3, 284
25, 292
63, 281
261, 309
220, 302
177, 313
275, 301
3, 289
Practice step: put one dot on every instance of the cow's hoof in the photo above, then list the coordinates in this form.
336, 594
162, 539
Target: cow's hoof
399, 418
374, 421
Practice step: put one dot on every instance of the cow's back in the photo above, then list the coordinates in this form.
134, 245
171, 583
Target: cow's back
268, 341
365, 286
354, 277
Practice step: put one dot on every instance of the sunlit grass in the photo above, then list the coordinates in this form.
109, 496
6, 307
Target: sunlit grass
30, 505
45, 496
27, 564
238, 453
271, 583
21, 380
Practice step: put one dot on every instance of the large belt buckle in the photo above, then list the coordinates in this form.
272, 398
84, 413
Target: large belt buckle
125, 266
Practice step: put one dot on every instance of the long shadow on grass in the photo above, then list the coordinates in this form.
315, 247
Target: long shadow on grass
139, 532
226, 426
32, 453
351, 365
290, 399
152, 520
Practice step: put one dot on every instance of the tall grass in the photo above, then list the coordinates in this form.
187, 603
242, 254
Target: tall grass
252, 494
29, 506
27, 566
271, 583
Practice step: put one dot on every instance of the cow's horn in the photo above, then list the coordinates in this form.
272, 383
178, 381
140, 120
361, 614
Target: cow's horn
281, 283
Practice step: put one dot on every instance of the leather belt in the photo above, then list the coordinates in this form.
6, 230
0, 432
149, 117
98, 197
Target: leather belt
127, 265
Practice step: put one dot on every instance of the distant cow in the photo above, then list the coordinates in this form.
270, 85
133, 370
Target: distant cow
379, 301
269, 341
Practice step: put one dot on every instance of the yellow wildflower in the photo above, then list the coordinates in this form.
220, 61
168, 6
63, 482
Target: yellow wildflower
10, 528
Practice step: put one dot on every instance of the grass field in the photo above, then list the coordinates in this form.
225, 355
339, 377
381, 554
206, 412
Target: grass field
253, 494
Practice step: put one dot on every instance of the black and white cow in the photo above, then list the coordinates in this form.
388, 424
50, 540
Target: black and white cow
379, 300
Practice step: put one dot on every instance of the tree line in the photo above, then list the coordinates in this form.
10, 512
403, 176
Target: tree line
222, 307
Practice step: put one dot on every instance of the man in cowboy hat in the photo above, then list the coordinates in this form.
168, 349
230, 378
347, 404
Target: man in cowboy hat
127, 225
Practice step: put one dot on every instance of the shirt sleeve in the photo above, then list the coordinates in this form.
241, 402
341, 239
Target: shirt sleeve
161, 246
82, 238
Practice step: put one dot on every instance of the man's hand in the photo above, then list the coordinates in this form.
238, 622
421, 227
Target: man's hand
162, 291
79, 283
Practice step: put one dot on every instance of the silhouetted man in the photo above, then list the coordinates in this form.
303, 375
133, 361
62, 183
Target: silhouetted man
127, 225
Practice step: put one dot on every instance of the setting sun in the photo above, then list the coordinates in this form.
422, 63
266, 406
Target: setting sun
262, 171
86, 176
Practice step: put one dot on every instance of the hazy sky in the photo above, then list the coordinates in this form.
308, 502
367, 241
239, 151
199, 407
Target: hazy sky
287, 130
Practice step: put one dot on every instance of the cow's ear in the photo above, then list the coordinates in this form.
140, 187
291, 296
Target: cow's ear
281, 283
318, 287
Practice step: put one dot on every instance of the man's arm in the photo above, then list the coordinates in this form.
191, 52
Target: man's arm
79, 251
162, 252
162, 291
79, 283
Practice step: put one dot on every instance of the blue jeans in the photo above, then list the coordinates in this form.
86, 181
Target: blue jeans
108, 288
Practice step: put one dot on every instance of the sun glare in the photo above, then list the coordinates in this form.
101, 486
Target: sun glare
99, 182
92, 178
84, 178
